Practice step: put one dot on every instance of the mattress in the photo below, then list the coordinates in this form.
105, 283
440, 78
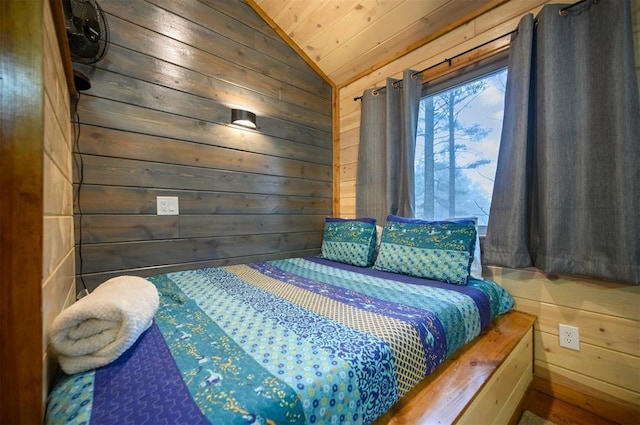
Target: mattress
300, 340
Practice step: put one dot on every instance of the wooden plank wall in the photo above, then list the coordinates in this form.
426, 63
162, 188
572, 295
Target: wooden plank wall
58, 273
605, 375
156, 123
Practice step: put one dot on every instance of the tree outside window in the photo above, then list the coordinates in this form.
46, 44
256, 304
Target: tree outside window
457, 148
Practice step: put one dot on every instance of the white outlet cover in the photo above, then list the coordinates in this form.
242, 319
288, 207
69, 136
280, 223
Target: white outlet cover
569, 336
167, 205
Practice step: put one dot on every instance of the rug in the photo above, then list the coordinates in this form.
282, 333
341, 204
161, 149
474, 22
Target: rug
529, 418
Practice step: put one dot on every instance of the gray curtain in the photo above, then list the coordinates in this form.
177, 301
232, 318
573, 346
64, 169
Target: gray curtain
566, 197
388, 125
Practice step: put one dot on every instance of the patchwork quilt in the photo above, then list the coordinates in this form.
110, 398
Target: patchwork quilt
301, 340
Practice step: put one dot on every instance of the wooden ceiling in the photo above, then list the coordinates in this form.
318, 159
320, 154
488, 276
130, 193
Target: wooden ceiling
345, 40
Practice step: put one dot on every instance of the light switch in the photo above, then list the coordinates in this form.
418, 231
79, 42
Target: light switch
167, 205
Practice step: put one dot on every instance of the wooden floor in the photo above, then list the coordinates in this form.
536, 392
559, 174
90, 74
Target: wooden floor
561, 413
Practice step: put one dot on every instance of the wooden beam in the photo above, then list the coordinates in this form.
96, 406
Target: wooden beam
61, 34
336, 151
21, 215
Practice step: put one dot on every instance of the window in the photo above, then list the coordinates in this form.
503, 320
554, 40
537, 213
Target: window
459, 127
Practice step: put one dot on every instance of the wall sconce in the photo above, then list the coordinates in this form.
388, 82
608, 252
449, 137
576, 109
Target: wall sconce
243, 118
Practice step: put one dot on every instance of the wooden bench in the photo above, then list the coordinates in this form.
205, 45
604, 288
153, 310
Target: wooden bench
485, 381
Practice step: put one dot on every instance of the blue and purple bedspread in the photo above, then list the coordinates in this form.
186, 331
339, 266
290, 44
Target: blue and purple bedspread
301, 340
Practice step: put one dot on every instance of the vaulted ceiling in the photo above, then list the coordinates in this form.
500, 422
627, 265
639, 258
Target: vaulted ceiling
347, 39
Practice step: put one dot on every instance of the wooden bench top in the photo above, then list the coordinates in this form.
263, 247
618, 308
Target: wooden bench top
444, 395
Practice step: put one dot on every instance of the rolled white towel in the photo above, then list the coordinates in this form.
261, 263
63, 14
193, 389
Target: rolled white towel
98, 328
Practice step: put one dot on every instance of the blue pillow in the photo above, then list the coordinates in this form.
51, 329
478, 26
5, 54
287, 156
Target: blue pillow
438, 250
350, 241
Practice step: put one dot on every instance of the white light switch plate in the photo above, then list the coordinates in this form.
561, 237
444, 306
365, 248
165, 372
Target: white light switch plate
167, 205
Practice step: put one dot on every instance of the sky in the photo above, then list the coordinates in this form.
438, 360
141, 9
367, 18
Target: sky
487, 110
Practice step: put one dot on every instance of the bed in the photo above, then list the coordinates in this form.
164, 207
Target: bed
301, 340
335, 338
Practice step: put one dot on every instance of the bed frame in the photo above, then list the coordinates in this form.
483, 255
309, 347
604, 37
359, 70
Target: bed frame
487, 378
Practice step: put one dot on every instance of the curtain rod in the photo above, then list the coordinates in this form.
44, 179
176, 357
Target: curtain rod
563, 12
448, 60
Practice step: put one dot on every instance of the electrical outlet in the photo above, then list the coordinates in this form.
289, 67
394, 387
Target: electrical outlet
167, 205
569, 336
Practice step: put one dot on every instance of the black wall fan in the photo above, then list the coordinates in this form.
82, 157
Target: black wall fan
88, 35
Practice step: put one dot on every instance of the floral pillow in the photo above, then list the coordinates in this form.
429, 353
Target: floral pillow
350, 241
438, 250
